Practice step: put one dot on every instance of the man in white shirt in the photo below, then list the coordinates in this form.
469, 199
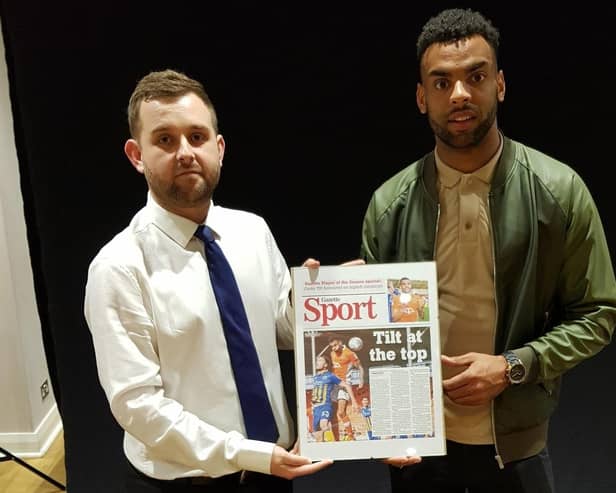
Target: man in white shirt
161, 353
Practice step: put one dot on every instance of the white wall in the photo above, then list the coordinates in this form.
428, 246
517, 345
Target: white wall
28, 423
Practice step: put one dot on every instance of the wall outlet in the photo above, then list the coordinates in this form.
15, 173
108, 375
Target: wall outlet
44, 389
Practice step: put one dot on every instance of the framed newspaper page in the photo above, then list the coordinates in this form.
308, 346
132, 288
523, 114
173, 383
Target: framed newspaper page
367, 361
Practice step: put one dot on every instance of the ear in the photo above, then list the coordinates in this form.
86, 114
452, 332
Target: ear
133, 152
421, 99
500, 86
220, 143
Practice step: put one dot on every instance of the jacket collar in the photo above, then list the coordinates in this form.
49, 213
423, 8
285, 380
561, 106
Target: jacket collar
503, 169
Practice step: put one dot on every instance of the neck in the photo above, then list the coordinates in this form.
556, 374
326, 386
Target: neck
196, 214
469, 159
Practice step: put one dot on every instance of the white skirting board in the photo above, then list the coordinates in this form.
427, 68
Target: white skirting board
35, 444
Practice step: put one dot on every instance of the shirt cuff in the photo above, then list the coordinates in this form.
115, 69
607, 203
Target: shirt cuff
256, 456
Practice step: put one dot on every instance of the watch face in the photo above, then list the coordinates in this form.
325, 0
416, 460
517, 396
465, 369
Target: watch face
517, 372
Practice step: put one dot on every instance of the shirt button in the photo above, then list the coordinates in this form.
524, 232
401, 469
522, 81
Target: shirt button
468, 226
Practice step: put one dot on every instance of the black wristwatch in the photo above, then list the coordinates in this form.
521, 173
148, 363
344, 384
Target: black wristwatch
516, 371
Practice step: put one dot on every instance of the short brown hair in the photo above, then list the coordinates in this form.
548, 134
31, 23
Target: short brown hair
161, 85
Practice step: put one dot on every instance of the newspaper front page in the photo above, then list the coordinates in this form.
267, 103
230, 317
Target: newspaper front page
367, 361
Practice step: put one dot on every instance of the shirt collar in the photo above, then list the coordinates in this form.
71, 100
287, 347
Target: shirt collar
215, 220
449, 177
178, 228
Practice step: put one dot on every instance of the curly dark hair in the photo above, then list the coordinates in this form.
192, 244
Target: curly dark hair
455, 24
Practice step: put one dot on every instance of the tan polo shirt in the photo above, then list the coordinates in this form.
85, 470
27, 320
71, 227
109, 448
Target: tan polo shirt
465, 268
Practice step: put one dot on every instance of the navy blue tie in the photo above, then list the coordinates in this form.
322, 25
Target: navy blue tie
256, 408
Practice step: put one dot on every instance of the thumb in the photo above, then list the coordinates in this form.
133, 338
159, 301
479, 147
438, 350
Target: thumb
295, 460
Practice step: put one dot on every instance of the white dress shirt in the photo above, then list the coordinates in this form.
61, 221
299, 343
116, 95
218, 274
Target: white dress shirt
160, 349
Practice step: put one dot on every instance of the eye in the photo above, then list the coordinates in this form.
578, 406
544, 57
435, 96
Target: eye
197, 138
477, 77
441, 84
164, 139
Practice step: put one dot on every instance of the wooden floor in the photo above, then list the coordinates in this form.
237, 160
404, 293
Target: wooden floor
15, 478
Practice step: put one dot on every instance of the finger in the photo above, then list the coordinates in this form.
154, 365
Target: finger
470, 400
403, 461
293, 460
393, 461
454, 383
454, 361
469, 396
358, 261
310, 468
311, 263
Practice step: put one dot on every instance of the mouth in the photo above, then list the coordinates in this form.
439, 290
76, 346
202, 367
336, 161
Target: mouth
461, 116
189, 172
461, 120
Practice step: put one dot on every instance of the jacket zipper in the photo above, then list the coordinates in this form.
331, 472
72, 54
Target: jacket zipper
438, 218
498, 458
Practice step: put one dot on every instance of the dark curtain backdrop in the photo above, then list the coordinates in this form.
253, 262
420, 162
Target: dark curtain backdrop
317, 107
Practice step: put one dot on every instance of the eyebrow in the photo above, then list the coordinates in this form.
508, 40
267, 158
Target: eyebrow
165, 128
470, 69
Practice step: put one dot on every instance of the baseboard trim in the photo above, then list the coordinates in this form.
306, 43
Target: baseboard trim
35, 444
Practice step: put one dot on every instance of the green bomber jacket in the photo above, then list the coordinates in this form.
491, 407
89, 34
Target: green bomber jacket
555, 290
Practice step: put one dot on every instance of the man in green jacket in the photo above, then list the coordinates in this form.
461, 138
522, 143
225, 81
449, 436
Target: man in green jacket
526, 285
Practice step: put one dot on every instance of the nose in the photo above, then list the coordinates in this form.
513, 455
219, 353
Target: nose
184, 153
459, 95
